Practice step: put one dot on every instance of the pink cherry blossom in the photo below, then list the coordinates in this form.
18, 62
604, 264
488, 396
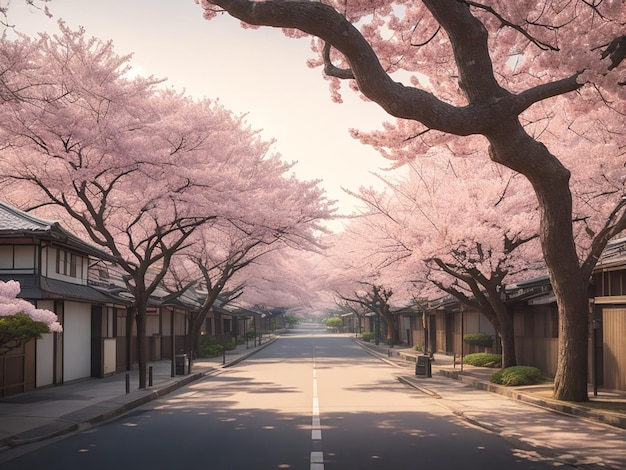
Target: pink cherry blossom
10, 305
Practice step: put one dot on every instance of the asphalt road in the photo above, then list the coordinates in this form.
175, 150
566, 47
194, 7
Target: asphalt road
310, 401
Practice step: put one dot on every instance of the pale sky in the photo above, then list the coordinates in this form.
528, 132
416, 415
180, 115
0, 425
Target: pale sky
257, 72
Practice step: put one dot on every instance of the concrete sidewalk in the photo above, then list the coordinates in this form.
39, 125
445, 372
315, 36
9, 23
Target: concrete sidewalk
547, 430
49, 412
609, 406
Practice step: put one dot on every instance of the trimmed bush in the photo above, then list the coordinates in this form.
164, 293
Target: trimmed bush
482, 340
368, 336
209, 347
483, 360
517, 375
334, 322
17, 329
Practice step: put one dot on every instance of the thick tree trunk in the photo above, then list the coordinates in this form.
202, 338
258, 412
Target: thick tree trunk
507, 341
139, 310
393, 333
503, 324
570, 382
193, 339
130, 313
550, 180
142, 346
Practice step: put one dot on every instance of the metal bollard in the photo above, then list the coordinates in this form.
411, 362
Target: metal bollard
150, 376
127, 383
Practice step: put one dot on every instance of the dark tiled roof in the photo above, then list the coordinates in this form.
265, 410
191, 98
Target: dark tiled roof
614, 254
14, 223
38, 287
67, 290
14, 220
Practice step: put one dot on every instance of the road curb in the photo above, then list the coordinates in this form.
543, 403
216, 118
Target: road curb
115, 411
572, 409
567, 408
412, 383
248, 354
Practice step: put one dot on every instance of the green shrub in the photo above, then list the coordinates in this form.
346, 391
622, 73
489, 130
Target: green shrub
517, 375
478, 339
483, 360
17, 329
334, 322
419, 347
230, 346
209, 347
368, 336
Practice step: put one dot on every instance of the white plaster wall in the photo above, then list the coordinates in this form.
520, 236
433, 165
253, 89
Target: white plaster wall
45, 353
76, 341
45, 360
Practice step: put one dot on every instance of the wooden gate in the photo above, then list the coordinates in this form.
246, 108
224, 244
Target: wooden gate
614, 349
17, 370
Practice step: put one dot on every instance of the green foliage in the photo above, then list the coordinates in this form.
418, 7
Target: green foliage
517, 375
250, 334
483, 360
17, 329
209, 347
419, 347
291, 320
230, 346
478, 339
368, 336
334, 322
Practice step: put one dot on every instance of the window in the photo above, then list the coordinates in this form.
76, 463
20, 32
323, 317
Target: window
120, 322
107, 322
20, 257
6, 257
61, 254
615, 283
610, 283
69, 264
24, 257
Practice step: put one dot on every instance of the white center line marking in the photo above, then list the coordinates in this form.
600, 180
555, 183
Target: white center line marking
317, 458
317, 461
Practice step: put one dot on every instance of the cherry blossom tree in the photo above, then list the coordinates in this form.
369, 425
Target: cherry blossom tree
468, 226
352, 308
472, 71
290, 278
20, 321
361, 269
281, 212
136, 168
92, 147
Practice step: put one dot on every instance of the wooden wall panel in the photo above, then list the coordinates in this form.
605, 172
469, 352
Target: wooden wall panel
614, 349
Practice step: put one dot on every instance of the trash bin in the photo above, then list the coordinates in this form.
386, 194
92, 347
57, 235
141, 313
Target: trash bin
423, 366
181, 362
